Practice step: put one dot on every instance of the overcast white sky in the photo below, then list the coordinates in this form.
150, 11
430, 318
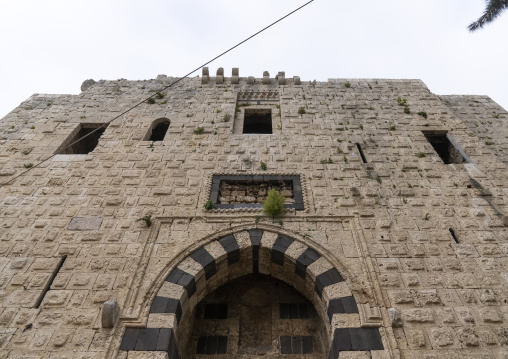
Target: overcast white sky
51, 46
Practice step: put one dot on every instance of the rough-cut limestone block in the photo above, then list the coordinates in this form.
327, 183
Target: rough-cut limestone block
205, 76
219, 79
110, 310
266, 78
235, 76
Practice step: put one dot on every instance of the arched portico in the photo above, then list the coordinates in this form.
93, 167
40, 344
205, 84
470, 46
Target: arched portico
235, 255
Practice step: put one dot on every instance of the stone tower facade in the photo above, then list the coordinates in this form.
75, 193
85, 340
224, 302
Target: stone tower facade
142, 234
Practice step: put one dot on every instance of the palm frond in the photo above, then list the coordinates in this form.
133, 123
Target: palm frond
494, 9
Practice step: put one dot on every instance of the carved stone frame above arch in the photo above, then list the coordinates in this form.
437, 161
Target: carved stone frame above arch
346, 304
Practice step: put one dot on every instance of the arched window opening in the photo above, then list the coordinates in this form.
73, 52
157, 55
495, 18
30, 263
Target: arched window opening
159, 129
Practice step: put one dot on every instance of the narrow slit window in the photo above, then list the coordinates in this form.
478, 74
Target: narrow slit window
257, 121
47, 287
444, 147
84, 140
159, 129
361, 153
452, 232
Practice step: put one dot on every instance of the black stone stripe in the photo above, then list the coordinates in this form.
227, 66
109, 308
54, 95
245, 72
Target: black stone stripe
255, 238
304, 260
130, 337
327, 278
355, 339
167, 305
231, 247
147, 339
206, 260
345, 305
280, 247
184, 279
150, 339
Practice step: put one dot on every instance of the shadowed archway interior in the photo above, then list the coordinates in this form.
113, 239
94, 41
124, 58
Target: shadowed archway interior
252, 252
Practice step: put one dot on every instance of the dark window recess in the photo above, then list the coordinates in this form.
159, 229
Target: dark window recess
212, 345
216, 311
231, 191
159, 131
257, 121
250, 191
47, 287
296, 345
296, 311
452, 232
444, 148
84, 141
361, 153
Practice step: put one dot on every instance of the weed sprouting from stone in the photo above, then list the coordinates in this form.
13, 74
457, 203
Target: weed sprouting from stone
209, 205
147, 219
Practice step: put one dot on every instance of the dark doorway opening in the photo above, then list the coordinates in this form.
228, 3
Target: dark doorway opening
159, 131
444, 148
257, 121
264, 317
85, 140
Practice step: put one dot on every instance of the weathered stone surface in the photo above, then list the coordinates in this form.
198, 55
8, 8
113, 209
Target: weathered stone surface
110, 310
407, 242
87, 84
84, 224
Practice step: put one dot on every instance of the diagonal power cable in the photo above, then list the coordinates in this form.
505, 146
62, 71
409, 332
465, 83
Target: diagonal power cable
155, 94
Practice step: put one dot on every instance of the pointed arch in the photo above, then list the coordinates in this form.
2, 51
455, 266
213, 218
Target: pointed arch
300, 263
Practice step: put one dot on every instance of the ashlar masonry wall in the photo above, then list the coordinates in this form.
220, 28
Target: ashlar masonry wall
398, 254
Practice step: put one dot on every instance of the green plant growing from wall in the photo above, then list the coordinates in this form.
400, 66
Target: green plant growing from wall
28, 165
150, 101
301, 110
226, 117
159, 95
199, 130
263, 166
402, 101
147, 219
407, 110
209, 205
420, 155
347, 84
274, 203
423, 114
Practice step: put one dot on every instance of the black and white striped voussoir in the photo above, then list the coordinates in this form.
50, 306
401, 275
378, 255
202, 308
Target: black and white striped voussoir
167, 306
231, 247
150, 339
355, 339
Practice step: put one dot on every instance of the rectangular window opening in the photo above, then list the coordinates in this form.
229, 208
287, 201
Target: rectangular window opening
361, 153
250, 191
84, 140
257, 121
447, 150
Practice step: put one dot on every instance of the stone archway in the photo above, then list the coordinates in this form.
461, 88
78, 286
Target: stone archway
224, 259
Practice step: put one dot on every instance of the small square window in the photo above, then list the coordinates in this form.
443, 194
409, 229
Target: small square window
83, 139
444, 147
257, 121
